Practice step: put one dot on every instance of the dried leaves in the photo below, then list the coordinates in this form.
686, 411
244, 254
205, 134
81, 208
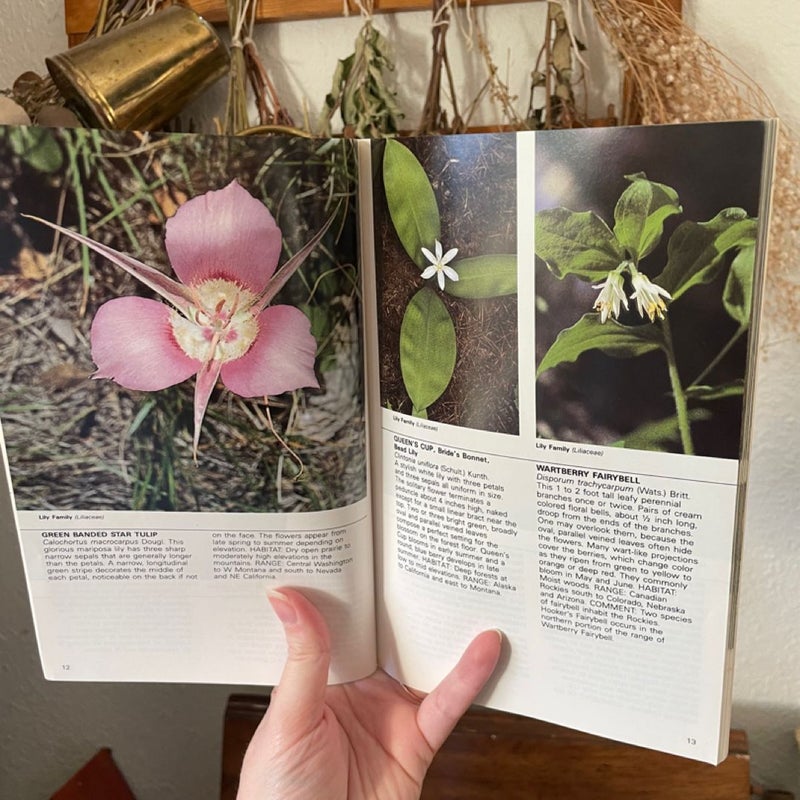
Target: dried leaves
359, 92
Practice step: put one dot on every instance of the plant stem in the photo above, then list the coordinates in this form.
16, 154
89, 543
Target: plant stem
722, 353
73, 145
681, 409
102, 13
434, 119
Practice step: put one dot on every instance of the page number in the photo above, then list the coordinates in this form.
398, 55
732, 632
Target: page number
65, 667
690, 739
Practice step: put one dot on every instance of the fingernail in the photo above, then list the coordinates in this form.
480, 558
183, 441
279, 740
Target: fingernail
283, 609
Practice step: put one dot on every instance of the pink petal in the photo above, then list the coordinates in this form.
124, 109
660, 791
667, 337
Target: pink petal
132, 344
281, 358
279, 279
206, 381
224, 234
169, 289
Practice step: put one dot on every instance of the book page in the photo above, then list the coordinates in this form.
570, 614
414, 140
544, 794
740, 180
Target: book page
562, 372
181, 399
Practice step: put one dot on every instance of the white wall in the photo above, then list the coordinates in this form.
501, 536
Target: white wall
167, 737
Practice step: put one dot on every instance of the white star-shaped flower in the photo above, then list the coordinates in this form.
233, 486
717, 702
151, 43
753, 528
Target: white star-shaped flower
648, 297
611, 296
438, 265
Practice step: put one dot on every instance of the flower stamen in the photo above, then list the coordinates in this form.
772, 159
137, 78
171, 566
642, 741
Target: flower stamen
223, 334
611, 296
648, 297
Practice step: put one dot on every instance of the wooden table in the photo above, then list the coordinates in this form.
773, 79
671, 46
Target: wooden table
492, 754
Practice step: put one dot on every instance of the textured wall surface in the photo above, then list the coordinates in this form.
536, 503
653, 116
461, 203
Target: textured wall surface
166, 738
31, 30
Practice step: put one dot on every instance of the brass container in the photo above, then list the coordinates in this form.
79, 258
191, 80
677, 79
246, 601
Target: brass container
141, 75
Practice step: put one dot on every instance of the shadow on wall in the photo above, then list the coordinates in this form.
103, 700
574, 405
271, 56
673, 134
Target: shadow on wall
773, 747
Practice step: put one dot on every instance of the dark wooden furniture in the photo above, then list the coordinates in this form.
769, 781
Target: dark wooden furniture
492, 754
98, 779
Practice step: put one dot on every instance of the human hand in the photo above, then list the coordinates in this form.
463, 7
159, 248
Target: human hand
372, 739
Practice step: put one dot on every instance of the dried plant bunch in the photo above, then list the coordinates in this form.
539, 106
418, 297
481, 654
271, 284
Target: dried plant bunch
558, 70
555, 72
359, 91
113, 14
247, 69
434, 117
494, 86
674, 75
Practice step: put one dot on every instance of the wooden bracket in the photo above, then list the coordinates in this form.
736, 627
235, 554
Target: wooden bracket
80, 14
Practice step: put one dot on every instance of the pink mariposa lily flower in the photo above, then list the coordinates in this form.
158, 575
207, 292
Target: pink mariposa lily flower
217, 323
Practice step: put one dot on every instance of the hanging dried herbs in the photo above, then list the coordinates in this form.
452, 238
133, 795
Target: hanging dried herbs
494, 86
555, 73
359, 92
248, 69
434, 117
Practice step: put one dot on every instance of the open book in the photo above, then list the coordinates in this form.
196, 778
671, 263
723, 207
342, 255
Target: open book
441, 384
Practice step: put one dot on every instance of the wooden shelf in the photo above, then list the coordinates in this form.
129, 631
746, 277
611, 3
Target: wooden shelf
80, 14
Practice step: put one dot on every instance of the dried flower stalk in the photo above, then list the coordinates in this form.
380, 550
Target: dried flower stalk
113, 14
434, 117
248, 69
494, 86
555, 72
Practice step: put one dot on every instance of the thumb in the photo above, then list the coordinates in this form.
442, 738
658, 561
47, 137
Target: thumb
298, 700
297, 703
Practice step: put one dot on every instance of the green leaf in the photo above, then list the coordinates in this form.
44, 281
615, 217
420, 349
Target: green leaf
695, 250
484, 276
576, 243
323, 320
141, 414
703, 393
38, 147
588, 333
427, 349
640, 213
340, 75
657, 435
737, 297
412, 203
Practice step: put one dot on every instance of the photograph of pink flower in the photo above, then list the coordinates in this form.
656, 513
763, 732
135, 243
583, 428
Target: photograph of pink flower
217, 323
212, 316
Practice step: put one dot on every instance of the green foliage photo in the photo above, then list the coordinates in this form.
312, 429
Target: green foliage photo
430, 340
620, 261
